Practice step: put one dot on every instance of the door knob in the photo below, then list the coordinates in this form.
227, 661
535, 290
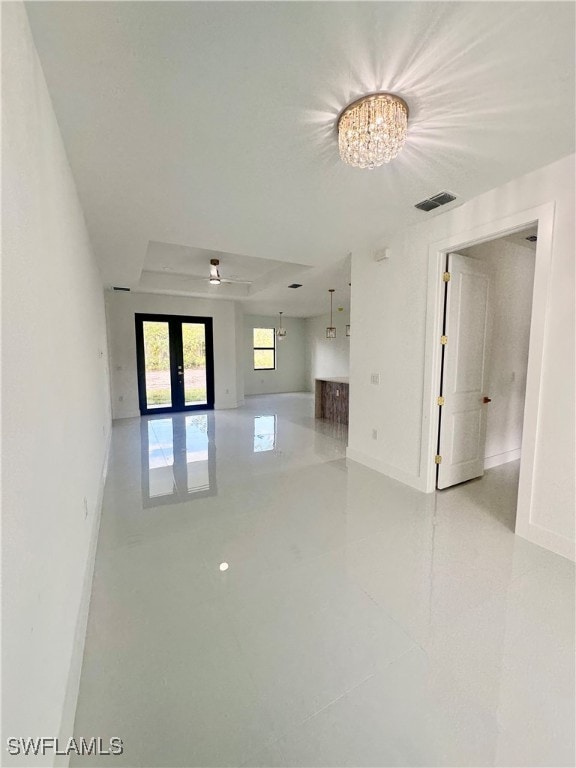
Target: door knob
486, 400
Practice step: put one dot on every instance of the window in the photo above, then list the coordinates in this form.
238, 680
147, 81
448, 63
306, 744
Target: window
264, 349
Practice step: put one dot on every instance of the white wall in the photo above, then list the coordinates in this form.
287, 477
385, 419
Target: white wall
328, 357
389, 304
291, 357
55, 404
121, 306
512, 280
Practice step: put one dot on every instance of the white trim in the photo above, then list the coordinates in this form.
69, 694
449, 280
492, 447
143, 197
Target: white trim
543, 216
502, 458
75, 670
386, 469
551, 540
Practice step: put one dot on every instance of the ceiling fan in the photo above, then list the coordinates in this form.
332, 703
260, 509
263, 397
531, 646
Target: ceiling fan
216, 279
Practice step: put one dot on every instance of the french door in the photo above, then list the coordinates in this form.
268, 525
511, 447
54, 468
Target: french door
175, 360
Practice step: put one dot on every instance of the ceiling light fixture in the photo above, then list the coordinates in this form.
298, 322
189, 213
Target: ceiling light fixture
372, 130
331, 330
280, 331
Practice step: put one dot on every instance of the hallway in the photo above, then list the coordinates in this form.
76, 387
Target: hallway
260, 601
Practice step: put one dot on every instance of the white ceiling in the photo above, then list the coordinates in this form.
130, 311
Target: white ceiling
210, 125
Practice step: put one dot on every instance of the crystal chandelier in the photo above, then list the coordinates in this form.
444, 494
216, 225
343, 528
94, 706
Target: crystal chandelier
372, 130
280, 331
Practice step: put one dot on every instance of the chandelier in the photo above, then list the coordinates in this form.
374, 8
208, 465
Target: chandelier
331, 329
372, 130
280, 331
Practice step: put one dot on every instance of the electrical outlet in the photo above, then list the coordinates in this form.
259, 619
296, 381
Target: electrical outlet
374, 434
375, 378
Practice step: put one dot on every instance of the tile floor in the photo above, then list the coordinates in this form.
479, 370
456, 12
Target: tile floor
358, 622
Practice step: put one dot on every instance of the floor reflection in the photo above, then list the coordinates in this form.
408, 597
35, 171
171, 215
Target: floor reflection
178, 458
264, 433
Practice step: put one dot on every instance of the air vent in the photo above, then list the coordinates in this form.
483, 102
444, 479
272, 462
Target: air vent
295, 285
119, 288
532, 238
435, 202
427, 205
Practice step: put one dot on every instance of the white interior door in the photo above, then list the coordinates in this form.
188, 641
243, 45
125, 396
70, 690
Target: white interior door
463, 414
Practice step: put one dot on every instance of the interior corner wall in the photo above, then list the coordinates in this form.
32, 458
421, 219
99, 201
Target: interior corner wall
55, 406
290, 374
122, 306
389, 306
328, 357
512, 281
239, 327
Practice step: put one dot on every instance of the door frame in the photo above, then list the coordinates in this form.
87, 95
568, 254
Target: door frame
139, 319
543, 217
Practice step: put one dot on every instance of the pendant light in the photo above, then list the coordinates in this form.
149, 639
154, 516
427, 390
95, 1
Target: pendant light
331, 330
280, 331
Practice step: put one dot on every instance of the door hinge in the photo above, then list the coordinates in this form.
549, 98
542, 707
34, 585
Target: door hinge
438, 459
446, 277
443, 339
440, 400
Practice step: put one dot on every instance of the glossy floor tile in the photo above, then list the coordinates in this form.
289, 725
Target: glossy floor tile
260, 601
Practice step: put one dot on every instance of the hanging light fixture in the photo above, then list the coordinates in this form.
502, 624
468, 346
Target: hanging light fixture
280, 331
372, 130
331, 330
214, 278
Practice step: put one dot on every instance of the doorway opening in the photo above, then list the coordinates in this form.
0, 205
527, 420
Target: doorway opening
541, 218
175, 363
487, 310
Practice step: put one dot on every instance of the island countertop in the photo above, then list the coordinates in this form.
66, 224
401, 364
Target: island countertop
335, 379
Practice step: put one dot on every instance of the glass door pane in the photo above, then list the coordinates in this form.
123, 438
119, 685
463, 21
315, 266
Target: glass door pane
157, 364
194, 357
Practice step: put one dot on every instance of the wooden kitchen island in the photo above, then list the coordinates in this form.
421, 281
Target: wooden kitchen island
332, 396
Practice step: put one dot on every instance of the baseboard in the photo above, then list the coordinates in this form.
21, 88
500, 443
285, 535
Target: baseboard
501, 458
279, 392
75, 670
547, 539
387, 469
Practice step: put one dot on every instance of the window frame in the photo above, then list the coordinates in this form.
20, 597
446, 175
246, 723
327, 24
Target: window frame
265, 349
